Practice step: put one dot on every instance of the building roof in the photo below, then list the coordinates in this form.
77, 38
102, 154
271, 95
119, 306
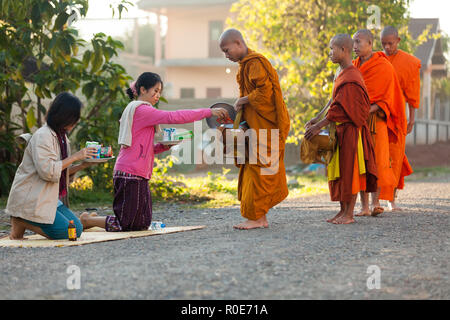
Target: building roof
156, 4
430, 49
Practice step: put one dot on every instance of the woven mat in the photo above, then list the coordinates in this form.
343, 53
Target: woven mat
92, 235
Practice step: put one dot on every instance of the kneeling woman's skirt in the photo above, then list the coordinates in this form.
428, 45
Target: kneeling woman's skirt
132, 203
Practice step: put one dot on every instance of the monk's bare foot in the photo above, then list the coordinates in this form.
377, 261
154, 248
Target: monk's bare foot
394, 207
363, 213
344, 220
84, 218
376, 211
253, 224
340, 213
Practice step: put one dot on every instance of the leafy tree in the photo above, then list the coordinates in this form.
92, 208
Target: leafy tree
41, 55
295, 34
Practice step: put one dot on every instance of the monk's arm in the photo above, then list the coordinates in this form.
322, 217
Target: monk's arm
319, 115
412, 116
260, 97
315, 129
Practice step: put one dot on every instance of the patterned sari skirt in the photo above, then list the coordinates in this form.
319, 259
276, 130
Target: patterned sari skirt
132, 203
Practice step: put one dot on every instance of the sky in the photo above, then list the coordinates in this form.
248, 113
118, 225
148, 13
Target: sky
432, 9
99, 9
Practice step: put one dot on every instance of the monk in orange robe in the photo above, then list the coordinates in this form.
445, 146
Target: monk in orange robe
261, 100
385, 121
407, 68
352, 168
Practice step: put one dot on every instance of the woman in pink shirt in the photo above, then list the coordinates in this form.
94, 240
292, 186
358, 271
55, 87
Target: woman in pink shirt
132, 200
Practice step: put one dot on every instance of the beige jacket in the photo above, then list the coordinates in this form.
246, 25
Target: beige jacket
34, 192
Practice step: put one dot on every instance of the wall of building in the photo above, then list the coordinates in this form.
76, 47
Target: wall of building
188, 30
201, 78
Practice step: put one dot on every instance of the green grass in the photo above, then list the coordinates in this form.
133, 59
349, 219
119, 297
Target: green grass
213, 190
79, 200
423, 173
217, 190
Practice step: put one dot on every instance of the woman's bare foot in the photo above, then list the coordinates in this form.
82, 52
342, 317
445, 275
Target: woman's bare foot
84, 218
17, 229
253, 224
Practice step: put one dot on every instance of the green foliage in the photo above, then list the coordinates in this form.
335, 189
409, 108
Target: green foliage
219, 182
41, 55
165, 188
295, 34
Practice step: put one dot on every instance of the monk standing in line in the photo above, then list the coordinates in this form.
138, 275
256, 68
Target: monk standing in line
263, 108
407, 68
384, 121
352, 168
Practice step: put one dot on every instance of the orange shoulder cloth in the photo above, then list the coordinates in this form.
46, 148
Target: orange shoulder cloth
280, 106
384, 89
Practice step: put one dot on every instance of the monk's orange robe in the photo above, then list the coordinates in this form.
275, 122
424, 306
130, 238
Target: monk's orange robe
407, 68
384, 90
259, 191
350, 110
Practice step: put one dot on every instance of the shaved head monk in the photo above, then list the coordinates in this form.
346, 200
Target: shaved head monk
407, 68
263, 107
352, 168
384, 121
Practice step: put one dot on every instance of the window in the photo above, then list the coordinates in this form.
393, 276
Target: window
187, 93
213, 93
215, 30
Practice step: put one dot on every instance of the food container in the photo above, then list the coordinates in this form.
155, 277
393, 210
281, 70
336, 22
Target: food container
168, 134
186, 135
94, 144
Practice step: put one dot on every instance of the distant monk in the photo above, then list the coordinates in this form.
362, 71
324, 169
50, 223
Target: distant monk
263, 108
407, 68
385, 121
352, 168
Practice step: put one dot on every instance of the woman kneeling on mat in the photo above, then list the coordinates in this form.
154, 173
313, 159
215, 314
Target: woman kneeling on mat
41, 180
132, 200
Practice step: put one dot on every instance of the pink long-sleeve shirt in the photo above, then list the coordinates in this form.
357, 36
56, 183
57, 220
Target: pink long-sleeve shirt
139, 157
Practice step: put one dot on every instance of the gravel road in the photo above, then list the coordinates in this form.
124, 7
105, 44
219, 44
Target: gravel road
300, 256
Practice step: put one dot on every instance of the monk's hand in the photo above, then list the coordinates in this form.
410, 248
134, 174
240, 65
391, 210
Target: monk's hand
374, 108
410, 126
311, 122
239, 104
220, 113
312, 131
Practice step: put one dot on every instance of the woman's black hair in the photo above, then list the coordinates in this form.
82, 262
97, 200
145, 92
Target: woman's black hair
65, 110
147, 80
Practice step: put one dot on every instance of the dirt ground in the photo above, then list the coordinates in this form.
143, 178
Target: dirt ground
435, 155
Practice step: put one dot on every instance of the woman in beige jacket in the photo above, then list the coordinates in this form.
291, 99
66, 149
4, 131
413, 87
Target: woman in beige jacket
42, 178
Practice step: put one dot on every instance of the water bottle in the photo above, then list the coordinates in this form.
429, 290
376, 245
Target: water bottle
157, 225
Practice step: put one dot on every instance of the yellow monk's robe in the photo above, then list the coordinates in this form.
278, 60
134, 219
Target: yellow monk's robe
407, 68
261, 188
384, 90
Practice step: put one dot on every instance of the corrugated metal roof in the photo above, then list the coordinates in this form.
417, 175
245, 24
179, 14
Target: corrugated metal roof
426, 50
